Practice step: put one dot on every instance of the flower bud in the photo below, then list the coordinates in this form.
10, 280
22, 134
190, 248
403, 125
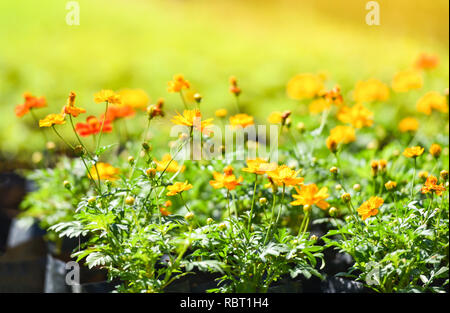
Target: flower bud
338, 187
346, 197
390, 185
332, 211
334, 170
356, 187
189, 216
222, 226
79, 150
197, 97
92, 200
67, 185
151, 172
50, 145
300, 127
36, 157
146, 146
314, 238
423, 175
306, 208
130, 160
129, 200
348, 218
444, 174
209, 221
262, 201
435, 150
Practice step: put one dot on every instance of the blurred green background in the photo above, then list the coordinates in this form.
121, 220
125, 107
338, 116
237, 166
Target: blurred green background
142, 43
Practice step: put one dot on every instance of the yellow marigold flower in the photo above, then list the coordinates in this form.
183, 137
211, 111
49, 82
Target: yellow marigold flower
283, 175
52, 119
192, 118
390, 185
435, 150
178, 83
107, 96
423, 175
226, 180
178, 187
432, 186
242, 120
259, 166
357, 115
413, 152
432, 100
318, 105
370, 207
370, 90
407, 80
221, 113
408, 124
135, 98
310, 194
340, 134
70, 108
305, 86
105, 172
169, 163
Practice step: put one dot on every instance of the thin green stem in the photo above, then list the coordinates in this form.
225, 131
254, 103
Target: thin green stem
253, 203
101, 129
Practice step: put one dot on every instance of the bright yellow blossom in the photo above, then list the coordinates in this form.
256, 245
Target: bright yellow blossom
370, 90
408, 124
167, 162
310, 194
370, 207
413, 152
52, 119
305, 86
432, 100
107, 95
105, 171
178, 187
407, 80
357, 115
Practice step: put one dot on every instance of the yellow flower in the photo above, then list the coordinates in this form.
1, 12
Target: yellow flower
283, 175
167, 162
107, 96
340, 134
178, 187
305, 86
221, 113
242, 120
178, 83
135, 98
390, 185
358, 116
105, 171
407, 80
226, 180
259, 166
413, 152
435, 150
192, 118
370, 90
278, 117
408, 124
310, 194
70, 108
370, 207
318, 105
432, 100
52, 119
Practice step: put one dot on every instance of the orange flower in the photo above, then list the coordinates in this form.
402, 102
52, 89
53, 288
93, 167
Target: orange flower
167, 162
283, 175
155, 110
305, 86
105, 171
93, 126
370, 207
435, 150
107, 96
192, 118
31, 102
410, 124
413, 152
259, 166
407, 80
340, 134
432, 100
358, 116
70, 108
164, 210
242, 120
310, 194
226, 180
432, 186
333, 96
221, 113
178, 187
370, 90
427, 61
52, 119
118, 111
178, 84
135, 98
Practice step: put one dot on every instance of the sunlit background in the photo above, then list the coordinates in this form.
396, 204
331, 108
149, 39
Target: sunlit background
143, 43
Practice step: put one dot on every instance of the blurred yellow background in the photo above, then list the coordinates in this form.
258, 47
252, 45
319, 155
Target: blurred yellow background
142, 43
